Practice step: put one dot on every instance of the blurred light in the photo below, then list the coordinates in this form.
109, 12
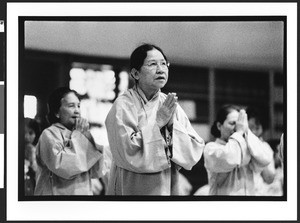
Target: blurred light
30, 106
124, 82
77, 81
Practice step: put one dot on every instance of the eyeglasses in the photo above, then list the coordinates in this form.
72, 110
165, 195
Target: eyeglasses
154, 64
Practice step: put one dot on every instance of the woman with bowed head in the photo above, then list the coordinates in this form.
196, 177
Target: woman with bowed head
235, 155
67, 155
149, 134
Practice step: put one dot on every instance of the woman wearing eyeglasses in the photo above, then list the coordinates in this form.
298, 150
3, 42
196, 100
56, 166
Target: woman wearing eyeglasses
149, 134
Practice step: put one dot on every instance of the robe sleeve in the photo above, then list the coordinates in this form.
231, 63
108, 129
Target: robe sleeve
187, 146
261, 155
269, 172
139, 149
69, 158
224, 158
96, 170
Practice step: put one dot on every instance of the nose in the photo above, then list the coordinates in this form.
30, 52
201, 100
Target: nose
160, 66
77, 110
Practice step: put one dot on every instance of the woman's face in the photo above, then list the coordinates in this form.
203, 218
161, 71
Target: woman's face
153, 75
69, 110
228, 126
29, 135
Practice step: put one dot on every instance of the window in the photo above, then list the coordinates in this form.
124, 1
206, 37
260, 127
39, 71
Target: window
30, 106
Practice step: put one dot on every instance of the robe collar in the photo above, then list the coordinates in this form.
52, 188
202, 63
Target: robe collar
142, 94
220, 141
61, 126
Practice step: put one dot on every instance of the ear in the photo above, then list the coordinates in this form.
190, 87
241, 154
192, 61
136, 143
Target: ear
219, 126
135, 74
57, 115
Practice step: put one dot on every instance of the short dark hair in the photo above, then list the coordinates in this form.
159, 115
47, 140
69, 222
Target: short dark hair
140, 53
221, 117
54, 102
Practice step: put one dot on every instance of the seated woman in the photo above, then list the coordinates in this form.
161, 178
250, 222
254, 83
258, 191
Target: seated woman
67, 155
235, 155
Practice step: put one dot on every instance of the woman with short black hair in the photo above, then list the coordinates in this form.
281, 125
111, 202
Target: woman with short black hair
149, 134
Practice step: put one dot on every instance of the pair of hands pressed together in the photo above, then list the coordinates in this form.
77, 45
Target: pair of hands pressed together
241, 125
82, 125
165, 113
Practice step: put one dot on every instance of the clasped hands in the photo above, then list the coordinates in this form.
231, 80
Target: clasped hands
241, 125
82, 125
165, 112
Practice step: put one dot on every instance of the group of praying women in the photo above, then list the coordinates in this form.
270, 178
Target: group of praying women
150, 140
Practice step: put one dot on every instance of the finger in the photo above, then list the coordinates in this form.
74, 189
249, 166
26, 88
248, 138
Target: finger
168, 100
172, 99
173, 108
242, 112
172, 102
241, 115
76, 122
81, 124
86, 125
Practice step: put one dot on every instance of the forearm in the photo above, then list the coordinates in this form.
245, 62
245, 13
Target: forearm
262, 154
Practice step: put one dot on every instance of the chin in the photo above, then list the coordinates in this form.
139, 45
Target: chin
161, 85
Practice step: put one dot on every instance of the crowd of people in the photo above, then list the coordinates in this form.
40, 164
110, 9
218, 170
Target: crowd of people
150, 140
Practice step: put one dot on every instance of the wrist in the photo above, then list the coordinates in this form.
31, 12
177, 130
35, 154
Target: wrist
241, 132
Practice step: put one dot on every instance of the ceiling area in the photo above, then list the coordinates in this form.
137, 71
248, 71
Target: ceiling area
235, 44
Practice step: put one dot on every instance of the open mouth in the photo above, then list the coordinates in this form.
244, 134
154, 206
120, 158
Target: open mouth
160, 78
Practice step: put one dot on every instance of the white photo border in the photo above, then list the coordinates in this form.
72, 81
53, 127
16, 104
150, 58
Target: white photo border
114, 210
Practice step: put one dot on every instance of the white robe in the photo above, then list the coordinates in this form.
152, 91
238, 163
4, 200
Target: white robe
142, 163
231, 165
67, 160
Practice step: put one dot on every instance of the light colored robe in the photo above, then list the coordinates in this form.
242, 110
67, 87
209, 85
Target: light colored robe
67, 160
263, 181
142, 163
231, 165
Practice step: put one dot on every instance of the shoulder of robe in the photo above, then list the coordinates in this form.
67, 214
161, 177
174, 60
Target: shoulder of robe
211, 145
125, 100
54, 131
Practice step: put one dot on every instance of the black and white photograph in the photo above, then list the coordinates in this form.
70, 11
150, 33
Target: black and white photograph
166, 110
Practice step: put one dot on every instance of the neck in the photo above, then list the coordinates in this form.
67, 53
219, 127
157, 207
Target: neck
224, 139
148, 92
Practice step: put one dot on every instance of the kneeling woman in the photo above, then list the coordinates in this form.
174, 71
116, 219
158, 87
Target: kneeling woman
235, 155
67, 154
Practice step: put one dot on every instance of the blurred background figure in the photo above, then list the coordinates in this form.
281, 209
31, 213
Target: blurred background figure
32, 132
236, 154
268, 182
281, 149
